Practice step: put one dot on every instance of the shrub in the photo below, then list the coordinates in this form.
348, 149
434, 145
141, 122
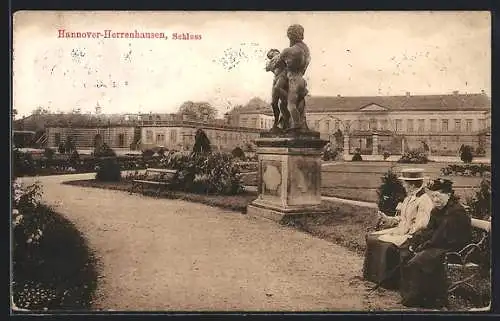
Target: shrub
249, 147
60, 148
480, 204
357, 156
103, 150
390, 193
108, 170
466, 170
205, 173
386, 155
480, 151
161, 152
330, 152
74, 159
148, 153
237, 152
49, 153
108, 167
69, 145
201, 142
23, 163
414, 157
466, 153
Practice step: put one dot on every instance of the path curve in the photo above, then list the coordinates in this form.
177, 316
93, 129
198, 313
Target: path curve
173, 255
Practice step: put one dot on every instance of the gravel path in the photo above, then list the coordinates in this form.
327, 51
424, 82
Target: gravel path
161, 254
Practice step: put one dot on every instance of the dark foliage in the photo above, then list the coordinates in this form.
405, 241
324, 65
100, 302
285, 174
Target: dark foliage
237, 152
23, 164
390, 193
357, 156
466, 153
108, 169
414, 157
466, 170
201, 142
148, 153
480, 204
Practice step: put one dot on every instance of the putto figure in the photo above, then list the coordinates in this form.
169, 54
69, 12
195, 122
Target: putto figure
279, 90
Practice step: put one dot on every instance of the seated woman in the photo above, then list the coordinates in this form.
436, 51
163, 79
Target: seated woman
382, 247
423, 280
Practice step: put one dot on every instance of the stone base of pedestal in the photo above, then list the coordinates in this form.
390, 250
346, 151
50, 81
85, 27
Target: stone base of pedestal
289, 175
281, 215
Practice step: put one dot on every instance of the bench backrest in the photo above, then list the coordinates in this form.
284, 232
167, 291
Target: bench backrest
481, 224
161, 170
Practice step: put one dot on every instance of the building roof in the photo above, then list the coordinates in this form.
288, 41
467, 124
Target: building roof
452, 102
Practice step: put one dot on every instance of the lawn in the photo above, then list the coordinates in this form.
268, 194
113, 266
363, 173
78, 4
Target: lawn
360, 180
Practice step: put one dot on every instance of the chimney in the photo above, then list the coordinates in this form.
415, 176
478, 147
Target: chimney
407, 94
455, 92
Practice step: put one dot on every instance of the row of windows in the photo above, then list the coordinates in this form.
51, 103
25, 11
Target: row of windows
120, 139
255, 123
189, 137
412, 125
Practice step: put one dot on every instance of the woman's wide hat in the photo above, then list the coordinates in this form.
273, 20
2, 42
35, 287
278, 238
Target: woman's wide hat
412, 174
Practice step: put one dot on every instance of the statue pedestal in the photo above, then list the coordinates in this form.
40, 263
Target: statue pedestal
289, 176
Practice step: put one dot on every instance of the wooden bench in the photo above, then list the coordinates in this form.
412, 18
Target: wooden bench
159, 177
460, 269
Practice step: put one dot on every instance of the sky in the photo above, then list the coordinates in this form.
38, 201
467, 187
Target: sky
352, 54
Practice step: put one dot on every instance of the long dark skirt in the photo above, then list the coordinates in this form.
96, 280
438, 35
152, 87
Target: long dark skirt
423, 280
381, 260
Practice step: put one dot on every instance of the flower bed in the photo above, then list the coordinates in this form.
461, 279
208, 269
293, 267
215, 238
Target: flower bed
414, 157
41, 279
466, 170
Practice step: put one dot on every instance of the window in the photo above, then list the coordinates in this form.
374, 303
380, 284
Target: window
444, 125
421, 125
121, 140
399, 125
262, 123
160, 138
243, 122
373, 124
468, 125
254, 123
173, 136
433, 125
347, 125
149, 136
458, 125
327, 125
337, 124
316, 124
57, 139
409, 125
363, 125
383, 124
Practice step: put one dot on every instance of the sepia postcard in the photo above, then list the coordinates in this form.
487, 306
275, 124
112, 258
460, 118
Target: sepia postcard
174, 161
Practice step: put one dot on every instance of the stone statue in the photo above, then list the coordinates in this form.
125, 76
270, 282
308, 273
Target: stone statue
279, 91
289, 113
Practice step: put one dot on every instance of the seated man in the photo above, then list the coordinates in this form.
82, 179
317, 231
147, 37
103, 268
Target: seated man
382, 247
423, 281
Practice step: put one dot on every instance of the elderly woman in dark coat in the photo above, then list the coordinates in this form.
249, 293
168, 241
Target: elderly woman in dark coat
423, 281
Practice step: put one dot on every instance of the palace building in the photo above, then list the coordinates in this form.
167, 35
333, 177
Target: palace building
375, 124
172, 135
